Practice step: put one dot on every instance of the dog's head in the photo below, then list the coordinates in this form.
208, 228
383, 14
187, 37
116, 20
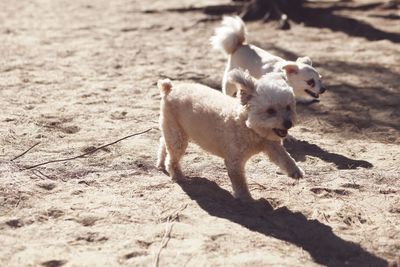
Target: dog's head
270, 103
304, 79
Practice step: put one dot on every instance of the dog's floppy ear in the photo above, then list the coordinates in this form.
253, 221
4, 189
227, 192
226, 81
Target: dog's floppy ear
290, 67
304, 60
245, 84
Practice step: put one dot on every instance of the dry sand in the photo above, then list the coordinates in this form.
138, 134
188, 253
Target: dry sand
78, 74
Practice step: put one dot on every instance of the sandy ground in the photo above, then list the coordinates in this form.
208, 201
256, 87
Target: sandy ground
78, 74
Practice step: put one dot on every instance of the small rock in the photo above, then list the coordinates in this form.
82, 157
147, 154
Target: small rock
15, 223
47, 185
54, 263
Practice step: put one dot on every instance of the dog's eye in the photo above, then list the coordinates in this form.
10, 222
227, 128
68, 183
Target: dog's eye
288, 108
271, 111
311, 82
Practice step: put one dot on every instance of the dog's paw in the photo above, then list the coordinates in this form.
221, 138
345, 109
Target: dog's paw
161, 166
243, 197
180, 178
297, 173
177, 176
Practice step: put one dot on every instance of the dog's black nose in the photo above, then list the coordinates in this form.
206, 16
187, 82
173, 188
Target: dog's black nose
322, 90
287, 124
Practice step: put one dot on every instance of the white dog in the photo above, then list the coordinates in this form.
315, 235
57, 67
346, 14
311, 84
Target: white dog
230, 37
232, 128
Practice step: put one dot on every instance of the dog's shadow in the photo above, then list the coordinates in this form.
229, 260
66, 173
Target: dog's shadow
318, 239
300, 149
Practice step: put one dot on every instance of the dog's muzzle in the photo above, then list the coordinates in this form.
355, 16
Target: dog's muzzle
311, 93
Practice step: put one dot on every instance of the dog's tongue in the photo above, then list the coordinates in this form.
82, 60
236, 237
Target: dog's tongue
280, 132
311, 93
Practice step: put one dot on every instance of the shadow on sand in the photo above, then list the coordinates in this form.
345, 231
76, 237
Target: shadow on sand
313, 16
316, 238
326, 18
300, 149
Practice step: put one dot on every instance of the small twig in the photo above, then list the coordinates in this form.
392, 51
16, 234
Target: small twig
37, 172
175, 213
259, 185
323, 213
26, 151
168, 228
87, 153
17, 204
164, 241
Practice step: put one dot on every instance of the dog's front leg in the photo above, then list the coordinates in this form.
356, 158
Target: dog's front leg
278, 155
235, 170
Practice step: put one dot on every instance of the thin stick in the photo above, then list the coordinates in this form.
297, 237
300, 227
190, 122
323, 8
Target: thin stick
87, 153
260, 185
164, 241
26, 151
167, 235
175, 214
35, 172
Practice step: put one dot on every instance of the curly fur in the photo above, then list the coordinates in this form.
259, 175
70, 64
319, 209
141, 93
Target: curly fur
230, 38
227, 127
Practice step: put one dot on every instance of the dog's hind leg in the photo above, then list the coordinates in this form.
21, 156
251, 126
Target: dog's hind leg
176, 142
236, 174
229, 89
162, 154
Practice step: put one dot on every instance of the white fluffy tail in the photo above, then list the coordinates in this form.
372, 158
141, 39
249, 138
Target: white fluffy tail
164, 86
230, 35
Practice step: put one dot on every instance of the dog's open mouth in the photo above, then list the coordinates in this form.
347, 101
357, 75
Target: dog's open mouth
311, 93
280, 132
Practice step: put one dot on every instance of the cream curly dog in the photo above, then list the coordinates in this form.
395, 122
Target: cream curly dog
230, 37
232, 128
